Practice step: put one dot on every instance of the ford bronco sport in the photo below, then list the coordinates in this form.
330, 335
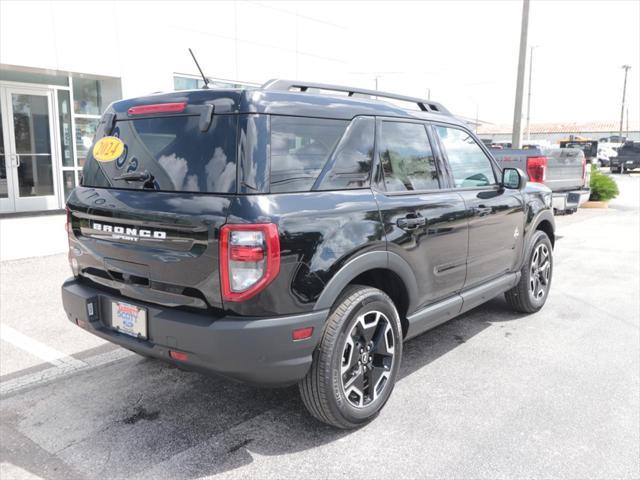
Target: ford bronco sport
296, 233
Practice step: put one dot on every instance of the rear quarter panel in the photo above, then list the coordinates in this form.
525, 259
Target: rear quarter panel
319, 233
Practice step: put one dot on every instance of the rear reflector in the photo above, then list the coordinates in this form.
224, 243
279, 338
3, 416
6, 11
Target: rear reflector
302, 333
158, 108
180, 356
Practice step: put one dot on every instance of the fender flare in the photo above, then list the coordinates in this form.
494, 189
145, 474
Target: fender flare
362, 263
539, 218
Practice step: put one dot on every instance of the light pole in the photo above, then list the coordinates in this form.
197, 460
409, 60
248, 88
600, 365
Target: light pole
528, 127
516, 135
624, 94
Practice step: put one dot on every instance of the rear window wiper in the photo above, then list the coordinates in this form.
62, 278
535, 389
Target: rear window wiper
135, 176
143, 176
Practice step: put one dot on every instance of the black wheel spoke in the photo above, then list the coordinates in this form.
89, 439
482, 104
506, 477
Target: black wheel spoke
380, 342
355, 379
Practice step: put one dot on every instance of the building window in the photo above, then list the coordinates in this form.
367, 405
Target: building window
91, 96
187, 82
64, 120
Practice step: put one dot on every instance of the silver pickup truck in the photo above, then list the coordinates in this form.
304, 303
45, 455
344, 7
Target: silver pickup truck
563, 170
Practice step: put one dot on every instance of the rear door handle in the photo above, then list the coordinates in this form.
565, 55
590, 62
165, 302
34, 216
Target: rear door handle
411, 223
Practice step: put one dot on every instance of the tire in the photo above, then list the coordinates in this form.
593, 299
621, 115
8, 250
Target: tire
532, 290
336, 390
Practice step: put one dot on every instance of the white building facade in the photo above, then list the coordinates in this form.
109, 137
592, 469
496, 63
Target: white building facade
62, 63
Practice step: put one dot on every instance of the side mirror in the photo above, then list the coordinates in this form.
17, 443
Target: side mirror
513, 178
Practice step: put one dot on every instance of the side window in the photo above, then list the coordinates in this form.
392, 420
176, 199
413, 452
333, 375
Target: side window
300, 147
351, 162
469, 164
406, 157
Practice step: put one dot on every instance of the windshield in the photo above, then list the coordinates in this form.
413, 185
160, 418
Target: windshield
169, 154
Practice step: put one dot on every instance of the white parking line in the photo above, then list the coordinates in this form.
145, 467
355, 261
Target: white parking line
38, 349
54, 373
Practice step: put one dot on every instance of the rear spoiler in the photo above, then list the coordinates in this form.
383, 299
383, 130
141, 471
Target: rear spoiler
205, 112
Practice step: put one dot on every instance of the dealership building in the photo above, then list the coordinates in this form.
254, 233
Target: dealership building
79, 56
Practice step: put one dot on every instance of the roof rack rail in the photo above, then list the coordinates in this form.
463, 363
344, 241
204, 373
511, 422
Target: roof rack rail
286, 85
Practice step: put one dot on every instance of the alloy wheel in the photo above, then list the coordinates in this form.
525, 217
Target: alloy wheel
367, 358
540, 272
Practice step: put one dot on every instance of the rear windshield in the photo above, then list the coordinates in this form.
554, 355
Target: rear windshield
174, 151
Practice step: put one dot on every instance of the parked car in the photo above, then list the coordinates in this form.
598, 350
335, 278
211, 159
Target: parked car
605, 153
563, 170
278, 236
628, 158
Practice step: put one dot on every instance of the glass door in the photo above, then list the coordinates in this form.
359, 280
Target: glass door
31, 169
6, 162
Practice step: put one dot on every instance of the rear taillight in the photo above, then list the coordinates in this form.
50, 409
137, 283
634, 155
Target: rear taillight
158, 108
537, 169
249, 259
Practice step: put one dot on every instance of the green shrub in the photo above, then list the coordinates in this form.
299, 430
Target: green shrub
603, 187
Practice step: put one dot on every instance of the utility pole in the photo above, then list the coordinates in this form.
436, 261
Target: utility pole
624, 94
627, 123
516, 136
528, 127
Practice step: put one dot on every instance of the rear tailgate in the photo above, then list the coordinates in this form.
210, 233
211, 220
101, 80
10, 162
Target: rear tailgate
147, 222
155, 247
566, 169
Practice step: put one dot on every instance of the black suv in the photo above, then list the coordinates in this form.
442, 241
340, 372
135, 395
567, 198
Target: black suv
296, 233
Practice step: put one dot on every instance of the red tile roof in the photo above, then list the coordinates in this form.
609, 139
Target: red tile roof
566, 127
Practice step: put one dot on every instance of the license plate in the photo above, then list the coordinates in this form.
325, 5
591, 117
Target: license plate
129, 319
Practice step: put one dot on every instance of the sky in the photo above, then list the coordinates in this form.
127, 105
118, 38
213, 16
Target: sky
466, 53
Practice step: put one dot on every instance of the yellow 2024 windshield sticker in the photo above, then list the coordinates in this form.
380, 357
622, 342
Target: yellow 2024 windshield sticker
108, 149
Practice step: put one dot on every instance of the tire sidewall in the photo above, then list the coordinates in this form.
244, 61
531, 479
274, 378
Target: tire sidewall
374, 300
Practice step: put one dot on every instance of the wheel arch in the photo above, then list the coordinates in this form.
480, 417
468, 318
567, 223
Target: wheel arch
543, 221
547, 227
384, 270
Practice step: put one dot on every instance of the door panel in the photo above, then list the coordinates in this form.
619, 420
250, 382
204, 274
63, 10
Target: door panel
495, 214
423, 224
496, 222
437, 250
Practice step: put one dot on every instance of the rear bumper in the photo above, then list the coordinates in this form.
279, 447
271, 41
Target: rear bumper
253, 350
570, 200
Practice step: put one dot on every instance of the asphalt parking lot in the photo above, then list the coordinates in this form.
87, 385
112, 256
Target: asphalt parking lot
489, 395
